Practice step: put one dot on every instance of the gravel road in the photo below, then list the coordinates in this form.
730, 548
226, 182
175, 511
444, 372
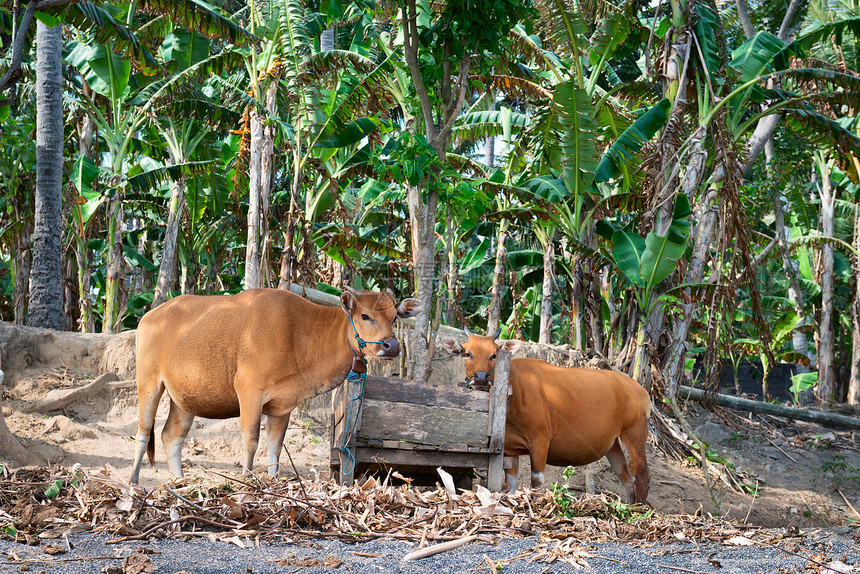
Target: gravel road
90, 554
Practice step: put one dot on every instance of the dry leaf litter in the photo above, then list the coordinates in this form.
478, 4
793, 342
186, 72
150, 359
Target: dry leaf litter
247, 510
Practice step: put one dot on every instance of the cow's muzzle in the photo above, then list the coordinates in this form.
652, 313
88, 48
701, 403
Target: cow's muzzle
480, 381
390, 348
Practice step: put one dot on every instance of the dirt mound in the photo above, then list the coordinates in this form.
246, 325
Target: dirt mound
805, 474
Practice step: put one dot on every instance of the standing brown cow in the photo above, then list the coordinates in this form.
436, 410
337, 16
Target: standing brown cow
564, 416
258, 352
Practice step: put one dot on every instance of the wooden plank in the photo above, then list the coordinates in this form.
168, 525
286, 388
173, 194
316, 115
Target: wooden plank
431, 460
422, 424
454, 447
352, 412
424, 393
499, 393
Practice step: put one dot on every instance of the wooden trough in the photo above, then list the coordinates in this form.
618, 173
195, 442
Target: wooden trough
415, 427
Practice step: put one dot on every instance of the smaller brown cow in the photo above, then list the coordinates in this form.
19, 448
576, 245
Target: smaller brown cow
565, 416
258, 352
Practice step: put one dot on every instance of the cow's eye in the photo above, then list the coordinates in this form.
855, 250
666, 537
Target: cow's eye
493, 358
364, 317
468, 355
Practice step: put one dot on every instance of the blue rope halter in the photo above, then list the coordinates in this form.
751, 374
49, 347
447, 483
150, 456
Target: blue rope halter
356, 373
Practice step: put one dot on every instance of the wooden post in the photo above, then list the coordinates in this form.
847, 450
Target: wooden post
499, 394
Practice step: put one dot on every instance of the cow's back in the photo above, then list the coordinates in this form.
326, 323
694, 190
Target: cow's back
201, 346
583, 410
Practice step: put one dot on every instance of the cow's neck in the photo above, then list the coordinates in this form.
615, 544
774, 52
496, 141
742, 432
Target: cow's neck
339, 342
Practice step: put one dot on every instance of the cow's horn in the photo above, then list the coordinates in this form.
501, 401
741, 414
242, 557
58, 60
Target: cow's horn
349, 289
467, 331
390, 292
497, 333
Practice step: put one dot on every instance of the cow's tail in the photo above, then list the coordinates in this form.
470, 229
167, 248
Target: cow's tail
150, 446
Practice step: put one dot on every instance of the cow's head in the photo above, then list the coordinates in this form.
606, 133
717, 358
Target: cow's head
373, 314
480, 353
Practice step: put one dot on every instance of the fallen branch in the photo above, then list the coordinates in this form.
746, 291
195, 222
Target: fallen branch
439, 548
770, 408
58, 399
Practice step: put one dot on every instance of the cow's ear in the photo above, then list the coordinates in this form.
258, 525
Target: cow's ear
511, 346
408, 308
347, 301
452, 346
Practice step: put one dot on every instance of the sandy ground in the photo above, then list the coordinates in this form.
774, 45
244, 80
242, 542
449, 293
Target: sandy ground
807, 475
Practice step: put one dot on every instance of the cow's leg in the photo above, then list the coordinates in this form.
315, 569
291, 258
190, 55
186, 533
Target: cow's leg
634, 440
511, 473
148, 396
619, 465
250, 413
173, 436
276, 428
537, 454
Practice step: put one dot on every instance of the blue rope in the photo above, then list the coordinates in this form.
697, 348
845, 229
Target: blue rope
354, 378
470, 379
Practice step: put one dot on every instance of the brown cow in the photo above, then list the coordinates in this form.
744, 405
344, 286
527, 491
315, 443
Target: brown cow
258, 352
564, 416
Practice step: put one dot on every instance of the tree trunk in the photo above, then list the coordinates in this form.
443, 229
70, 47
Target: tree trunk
422, 218
115, 279
494, 312
22, 279
259, 190
86, 131
86, 322
545, 336
453, 274
167, 268
705, 215
45, 308
611, 343
854, 383
576, 330
71, 297
256, 202
783, 237
764, 407
826, 375
490, 147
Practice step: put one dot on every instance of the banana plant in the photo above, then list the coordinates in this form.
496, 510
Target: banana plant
646, 261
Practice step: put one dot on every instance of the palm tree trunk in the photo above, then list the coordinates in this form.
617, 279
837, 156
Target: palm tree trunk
494, 312
167, 268
826, 374
45, 307
423, 219
545, 335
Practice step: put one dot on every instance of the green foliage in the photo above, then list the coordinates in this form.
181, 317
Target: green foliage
840, 472
53, 491
646, 262
802, 382
632, 140
627, 513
